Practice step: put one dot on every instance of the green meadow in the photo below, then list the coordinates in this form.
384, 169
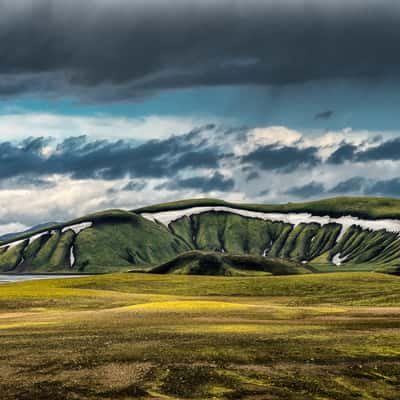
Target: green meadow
145, 336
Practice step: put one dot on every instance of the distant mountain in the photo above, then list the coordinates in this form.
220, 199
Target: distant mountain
10, 236
341, 233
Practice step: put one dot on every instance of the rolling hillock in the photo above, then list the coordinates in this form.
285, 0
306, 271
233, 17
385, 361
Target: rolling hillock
222, 264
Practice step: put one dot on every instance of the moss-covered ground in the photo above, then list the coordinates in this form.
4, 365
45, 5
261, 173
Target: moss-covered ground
140, 336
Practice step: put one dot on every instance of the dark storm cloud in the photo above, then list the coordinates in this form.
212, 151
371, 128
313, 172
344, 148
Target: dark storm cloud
352, 185
282, 158
355, 185
324, 115
252, 176
346, 152
389, 187
134, 186
206, 158
216, 182
370, 187
264, 192
387, 150
27, 181
312, 189
110, 49
30, 163
82, 158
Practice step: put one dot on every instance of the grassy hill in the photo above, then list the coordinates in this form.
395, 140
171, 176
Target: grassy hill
212, 263
363, 207
117, 240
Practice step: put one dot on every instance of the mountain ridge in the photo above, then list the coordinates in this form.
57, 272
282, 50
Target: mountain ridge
118, 240
14, 235
367, 207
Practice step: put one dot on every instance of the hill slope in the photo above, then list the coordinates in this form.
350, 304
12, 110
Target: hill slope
363, 207
212, 263
117, 240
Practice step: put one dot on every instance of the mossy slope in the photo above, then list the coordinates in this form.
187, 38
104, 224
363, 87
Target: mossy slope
211, 263
121, 240
363, 207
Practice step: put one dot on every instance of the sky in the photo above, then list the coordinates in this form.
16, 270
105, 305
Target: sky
118, 104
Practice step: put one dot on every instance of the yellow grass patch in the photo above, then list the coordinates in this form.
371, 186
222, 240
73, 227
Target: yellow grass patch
248, 328
186, 306
22, 324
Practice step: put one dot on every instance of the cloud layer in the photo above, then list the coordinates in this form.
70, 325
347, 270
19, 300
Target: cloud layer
64, 178
252, 152
121, 49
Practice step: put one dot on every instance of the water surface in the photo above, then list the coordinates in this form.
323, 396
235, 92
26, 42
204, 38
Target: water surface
4, 278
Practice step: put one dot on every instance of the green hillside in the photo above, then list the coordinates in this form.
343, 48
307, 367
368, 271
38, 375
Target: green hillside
235, 234
363, 207
212, 263
117, 240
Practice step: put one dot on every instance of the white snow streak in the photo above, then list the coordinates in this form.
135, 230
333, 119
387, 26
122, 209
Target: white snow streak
390, 225
37, 236
78, 227
12, 244
337, 260
71, 256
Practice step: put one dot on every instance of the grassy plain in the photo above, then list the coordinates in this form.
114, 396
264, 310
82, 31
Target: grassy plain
139, 336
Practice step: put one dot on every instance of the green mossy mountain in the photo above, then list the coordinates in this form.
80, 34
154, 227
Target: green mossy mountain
118, 240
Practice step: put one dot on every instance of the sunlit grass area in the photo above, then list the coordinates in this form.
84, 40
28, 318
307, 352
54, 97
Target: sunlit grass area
140, 336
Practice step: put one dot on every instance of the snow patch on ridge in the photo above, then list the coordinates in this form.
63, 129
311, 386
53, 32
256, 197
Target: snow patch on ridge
37, 236
390, 225
78, 227
12, 244
337, 260
71, 256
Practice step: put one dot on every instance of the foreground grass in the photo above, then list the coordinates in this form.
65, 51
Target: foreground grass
128, 336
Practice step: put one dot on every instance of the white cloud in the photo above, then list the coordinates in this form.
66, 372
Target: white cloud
266, 136
274, 134
17, 126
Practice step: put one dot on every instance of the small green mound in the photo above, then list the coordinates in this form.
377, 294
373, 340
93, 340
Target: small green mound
220, 264
389, 269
